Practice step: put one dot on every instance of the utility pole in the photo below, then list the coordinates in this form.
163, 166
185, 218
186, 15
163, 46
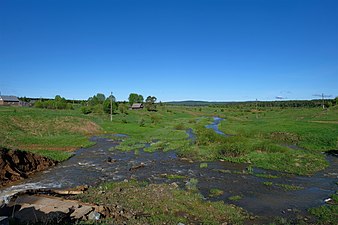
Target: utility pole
323, 100
111, 106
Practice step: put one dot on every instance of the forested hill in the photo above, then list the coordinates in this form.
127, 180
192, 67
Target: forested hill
279, 103
195, 103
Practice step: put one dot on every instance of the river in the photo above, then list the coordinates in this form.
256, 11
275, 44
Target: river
97, 164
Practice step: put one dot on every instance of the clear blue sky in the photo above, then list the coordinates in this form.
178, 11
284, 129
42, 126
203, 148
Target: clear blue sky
219, 50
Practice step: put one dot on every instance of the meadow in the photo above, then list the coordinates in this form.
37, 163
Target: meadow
291, 140
262, 138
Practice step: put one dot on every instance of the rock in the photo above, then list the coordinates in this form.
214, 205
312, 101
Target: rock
42, 208
94, 216
81, 212
67, 192
174, 184
110, 160
137, 167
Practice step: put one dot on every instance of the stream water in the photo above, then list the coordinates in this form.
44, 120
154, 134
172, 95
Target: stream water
91, 166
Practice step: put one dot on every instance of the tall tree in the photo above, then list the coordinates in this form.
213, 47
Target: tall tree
150, 103
100, 97
135, 98
107, 104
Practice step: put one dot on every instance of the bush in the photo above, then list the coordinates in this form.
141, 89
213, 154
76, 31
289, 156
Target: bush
233, 149
142, 122
207, 136
86, 110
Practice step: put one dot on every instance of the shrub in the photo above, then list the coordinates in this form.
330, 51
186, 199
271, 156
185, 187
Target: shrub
86, 110
142, 122
235, 149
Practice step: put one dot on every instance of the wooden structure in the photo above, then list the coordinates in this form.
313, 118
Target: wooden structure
137, 106
9, 100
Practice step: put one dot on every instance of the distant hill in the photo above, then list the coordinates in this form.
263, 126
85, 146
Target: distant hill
196, 103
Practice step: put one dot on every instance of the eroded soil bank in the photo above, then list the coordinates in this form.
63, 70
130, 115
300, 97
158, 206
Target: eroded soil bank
16, 165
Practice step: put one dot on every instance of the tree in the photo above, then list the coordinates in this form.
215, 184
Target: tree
100, 97
140, 99
93, 101
135, 98
150, 103
123, 108
107, 104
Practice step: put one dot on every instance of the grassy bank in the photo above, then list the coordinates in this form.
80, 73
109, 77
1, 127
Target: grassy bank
52, 133
162, 204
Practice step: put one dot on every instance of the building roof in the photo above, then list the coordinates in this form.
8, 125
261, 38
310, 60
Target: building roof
137, 105
8, 98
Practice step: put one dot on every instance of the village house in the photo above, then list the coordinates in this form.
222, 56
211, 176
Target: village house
9, 100
137, 106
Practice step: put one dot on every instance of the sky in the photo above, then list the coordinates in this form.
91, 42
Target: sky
212, 50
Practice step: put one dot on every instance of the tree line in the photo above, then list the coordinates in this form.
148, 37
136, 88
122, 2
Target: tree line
98, 103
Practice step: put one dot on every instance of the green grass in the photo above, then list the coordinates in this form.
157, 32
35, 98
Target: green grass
312, 129
55, 155
203, 165
288, 187
263, 175
327, 214
235, 198
285, 187
148, 199
215, 192
52, 133
261, 138
175, 176
268, 183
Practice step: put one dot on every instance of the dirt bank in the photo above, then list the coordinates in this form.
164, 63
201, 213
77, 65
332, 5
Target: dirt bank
16, 165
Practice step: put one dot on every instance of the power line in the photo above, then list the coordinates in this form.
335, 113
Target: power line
323, 96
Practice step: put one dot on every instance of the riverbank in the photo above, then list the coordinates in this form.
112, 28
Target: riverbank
17, 165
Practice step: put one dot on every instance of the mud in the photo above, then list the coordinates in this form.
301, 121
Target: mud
16, 165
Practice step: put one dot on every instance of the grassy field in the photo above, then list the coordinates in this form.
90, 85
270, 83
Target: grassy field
52, 133
296, 137
263, 138
289, 140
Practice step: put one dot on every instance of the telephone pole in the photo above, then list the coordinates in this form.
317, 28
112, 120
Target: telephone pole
111, 106
323, 98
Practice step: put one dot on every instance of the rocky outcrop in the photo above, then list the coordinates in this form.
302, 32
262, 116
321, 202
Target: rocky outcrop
16, 165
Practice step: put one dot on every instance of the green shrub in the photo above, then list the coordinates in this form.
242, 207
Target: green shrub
86, 110
142, 122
